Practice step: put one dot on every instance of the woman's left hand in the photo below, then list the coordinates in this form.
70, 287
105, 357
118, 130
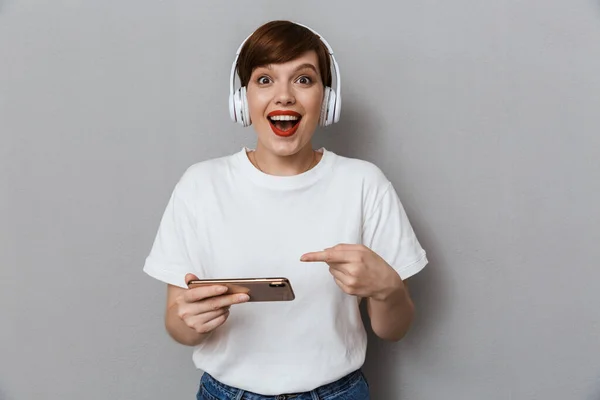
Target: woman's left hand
358, 270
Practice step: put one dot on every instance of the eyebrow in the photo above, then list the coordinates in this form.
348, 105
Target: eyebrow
307, 65
298, 68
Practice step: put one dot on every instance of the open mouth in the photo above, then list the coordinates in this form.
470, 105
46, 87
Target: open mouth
284, 123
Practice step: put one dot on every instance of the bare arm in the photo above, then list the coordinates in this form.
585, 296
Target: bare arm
392, 315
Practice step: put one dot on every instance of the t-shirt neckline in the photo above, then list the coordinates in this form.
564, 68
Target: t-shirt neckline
285, 182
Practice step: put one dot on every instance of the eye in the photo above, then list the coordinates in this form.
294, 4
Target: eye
263, 80
304, 80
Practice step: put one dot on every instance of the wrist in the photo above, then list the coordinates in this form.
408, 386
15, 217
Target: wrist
393, 287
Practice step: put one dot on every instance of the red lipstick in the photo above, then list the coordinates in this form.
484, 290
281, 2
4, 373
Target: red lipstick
287, 132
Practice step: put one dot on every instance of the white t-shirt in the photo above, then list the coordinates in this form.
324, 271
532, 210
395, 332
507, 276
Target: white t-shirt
227, 219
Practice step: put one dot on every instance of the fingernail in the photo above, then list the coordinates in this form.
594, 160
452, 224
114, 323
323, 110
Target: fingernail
221, 289
303, 258
243, 297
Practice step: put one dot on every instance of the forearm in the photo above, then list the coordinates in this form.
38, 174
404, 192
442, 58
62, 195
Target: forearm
392, 315
180, 332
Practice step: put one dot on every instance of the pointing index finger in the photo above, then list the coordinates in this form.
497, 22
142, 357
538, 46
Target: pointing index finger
327, 256
315, 256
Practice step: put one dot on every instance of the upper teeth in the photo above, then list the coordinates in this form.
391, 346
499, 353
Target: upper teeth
284, 117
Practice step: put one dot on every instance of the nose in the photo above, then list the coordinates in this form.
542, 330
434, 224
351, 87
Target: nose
284, 95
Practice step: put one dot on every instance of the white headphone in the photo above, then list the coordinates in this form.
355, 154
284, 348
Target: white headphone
330, 110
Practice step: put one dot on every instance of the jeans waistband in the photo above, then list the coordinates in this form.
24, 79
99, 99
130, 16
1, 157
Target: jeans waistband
329, 389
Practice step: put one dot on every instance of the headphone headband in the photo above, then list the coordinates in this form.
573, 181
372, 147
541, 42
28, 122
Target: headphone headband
337, 99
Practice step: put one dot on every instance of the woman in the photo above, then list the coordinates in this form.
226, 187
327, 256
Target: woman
332, 225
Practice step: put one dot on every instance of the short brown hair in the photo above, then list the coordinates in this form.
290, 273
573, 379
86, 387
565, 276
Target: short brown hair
278, 42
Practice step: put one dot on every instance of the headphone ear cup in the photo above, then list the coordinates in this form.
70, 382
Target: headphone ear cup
324, 107
242, 116
237, 104
244, 107
332, 111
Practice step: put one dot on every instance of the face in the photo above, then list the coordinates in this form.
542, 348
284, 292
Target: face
284, 101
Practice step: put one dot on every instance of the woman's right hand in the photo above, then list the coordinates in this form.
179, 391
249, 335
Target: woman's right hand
204, 309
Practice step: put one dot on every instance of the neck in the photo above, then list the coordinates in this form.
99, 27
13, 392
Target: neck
293, 164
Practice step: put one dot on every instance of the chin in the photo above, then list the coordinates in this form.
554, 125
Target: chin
283, 146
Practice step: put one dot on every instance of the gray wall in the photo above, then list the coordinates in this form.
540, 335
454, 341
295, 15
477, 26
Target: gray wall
485, 115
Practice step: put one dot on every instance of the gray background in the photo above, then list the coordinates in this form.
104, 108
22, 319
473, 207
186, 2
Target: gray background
485, 116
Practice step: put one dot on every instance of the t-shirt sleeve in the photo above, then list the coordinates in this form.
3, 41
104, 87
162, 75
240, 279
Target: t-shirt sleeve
388, 232
171, 255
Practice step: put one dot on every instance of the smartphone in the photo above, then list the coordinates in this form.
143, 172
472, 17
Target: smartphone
259, 289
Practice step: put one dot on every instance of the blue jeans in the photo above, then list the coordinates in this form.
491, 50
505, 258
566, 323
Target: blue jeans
353, 386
